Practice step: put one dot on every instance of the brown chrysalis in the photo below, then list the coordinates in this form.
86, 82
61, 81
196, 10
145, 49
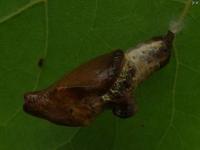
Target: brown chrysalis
107, 81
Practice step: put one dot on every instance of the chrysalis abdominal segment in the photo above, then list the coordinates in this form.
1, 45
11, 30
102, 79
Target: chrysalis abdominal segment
107, 81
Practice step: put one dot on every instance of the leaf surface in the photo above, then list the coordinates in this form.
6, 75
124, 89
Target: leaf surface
68, 33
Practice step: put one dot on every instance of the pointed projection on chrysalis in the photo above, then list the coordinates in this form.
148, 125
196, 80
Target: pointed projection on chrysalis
107, 81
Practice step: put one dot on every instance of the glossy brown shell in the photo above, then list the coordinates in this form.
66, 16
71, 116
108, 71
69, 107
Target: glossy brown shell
107, 80
98, 74
75, 100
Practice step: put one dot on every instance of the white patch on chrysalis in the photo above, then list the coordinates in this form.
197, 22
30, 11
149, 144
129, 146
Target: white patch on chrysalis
140, 56
143, 50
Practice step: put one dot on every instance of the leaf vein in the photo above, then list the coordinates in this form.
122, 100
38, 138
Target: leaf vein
69, 140
20, 10
189, 68
45, 55
173, 100
179, 136
189, 114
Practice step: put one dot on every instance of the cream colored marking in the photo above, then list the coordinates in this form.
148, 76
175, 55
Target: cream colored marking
134, 54
139, 56
115, 88
106, 98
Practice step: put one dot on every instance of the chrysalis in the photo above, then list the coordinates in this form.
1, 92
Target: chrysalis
107, 81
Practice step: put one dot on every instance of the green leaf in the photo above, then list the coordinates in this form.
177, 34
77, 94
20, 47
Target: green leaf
68, 33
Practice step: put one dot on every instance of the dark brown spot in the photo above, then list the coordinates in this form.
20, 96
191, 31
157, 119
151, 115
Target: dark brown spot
41, 62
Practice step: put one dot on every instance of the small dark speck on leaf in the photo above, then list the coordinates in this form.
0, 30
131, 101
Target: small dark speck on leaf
40, 62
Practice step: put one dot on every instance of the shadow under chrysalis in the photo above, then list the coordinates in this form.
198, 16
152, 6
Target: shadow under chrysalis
107, 81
